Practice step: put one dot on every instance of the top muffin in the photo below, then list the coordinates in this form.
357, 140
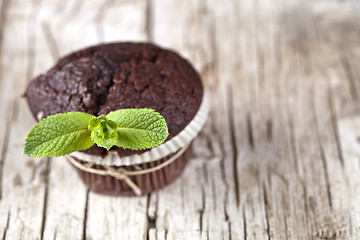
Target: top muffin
114, 76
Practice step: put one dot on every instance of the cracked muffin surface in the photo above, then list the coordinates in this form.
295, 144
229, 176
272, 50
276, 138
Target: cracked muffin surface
114, 76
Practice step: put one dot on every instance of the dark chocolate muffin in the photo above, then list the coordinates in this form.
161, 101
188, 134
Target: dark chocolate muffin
114, 76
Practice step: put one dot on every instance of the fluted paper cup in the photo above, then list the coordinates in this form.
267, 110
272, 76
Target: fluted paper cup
162, 164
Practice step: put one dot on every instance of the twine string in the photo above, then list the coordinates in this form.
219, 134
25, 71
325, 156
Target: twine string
123, 174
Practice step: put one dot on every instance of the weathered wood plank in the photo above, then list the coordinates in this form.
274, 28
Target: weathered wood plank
66, 197
86, 217
23, 185
118, 218
201, 189
349, 135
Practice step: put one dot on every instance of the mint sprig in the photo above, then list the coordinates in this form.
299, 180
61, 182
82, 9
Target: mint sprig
64, 133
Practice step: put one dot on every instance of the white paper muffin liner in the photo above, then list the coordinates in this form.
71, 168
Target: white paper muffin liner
163, 150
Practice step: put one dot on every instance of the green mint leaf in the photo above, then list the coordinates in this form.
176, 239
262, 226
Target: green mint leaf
65, 133
59, 134
103, 131
139, 128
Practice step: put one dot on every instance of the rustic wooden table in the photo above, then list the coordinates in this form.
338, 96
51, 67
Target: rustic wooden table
279, 157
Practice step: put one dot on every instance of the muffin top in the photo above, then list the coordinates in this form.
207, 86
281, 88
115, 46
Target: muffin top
114, 76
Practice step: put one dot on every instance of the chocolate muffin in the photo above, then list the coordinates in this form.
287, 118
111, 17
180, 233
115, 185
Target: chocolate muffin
114, 76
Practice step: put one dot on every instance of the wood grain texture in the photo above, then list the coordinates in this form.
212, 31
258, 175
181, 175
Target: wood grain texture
279, 157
